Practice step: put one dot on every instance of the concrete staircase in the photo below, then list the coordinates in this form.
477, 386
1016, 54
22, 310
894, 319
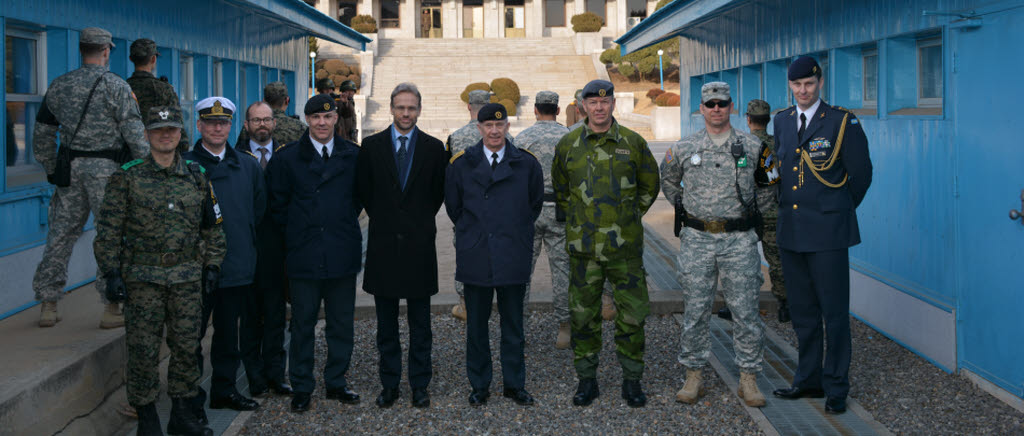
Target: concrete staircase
441, 69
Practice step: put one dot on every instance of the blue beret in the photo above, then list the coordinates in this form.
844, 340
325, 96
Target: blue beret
320, 103
492, 111
804, 66
599, 88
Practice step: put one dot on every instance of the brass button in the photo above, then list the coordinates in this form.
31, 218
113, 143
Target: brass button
794, 207
794, 187
798, 151
794, 169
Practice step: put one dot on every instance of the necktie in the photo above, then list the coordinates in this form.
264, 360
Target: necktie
803, 125
324, 153
263, 157
403, 156
494, 161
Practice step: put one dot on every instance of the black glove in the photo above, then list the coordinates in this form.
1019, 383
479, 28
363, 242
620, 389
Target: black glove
211, 276
50, 179
116, 291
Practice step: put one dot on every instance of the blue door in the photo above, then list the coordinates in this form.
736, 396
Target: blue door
986, 91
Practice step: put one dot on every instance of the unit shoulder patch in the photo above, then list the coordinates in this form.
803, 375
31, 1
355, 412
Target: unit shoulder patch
456, 156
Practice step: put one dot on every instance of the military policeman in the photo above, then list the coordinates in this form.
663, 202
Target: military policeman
715, 201
540, 140
325, 87
825, 173
287, 128
150, 91
98, 120
347, 111
605, 179
159, 229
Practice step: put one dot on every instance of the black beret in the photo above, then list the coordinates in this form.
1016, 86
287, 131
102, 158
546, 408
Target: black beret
599, 88
492, 111
320, 103
804, 66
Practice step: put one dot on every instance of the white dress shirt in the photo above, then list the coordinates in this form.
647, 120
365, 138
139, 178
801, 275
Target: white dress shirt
809, 113
220, 156
256, 148
319, 147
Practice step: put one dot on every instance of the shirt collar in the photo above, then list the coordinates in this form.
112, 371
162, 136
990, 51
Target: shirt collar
319, 146
809, 113
395, 135
220, 156
488, 153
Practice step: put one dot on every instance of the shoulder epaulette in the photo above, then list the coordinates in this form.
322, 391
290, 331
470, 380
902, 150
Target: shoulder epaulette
279, 147
791, 109
456, 156
131, 164
842, 108
250, 154
201, 169
530, 153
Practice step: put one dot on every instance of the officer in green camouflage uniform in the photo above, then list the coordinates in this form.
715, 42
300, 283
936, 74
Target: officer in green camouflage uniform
149, 90
605, 179
158, 233
287, 128
112, 122
463, 138
540, 140
716, 167
758, 116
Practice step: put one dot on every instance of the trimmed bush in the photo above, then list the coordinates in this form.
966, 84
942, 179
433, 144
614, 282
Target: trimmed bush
510, 107
662, 3
505, 89
473, 87
667, 99
353, 78
335, 66
647, 65
611, 56
364, 24
587, 22
654, 93
321, 74
626, 69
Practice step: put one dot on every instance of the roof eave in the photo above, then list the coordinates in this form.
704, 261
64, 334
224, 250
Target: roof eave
670, 21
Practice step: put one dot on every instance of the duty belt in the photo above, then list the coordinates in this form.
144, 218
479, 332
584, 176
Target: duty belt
720, 226
113, 155
167, 259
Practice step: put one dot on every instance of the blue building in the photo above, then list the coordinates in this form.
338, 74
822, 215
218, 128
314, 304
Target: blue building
217, 47
935, 85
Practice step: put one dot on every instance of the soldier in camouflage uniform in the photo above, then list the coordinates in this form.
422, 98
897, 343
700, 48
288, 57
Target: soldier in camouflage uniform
605, 179
716, 166
150, 91
95, 139
758, 116
463, 138
347, 111
288, 128
159, 233
540, 140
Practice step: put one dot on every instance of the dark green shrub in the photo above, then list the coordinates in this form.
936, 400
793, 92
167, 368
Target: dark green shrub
626, 69
611, 55
587, 22
364, 24
505, 89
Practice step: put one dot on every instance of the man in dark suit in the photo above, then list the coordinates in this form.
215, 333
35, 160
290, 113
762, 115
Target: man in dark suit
825, 173
493, 193
262, 334
312, 196
400, 182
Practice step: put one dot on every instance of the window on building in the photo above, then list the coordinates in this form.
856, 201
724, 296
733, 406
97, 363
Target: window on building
24, 93
389, 14
636, 8
929, 72
186, 91
218, 77
870, 65
598, 8
346, 10
554, 13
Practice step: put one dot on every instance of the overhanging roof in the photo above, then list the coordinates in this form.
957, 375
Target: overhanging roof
300, 15
672, 20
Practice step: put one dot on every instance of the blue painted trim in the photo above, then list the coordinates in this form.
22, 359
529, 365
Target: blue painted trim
22, 247
32, 304
993, 378
309, 18
664, 23
933, 300
902, 344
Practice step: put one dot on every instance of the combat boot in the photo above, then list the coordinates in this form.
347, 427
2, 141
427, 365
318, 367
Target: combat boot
563, 336
748, 390
608, 311
149, 421
48, 316
112, 317
183, 422
692, 389
459, 310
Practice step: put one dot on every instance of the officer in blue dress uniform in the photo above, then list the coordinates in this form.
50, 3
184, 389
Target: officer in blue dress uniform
825, 172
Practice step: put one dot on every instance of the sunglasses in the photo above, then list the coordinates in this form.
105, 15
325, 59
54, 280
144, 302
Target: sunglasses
721, 103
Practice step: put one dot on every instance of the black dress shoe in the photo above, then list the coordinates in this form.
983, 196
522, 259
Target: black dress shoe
520, 396
479, 397
300, 402
784, 311
256, 390
725, 313
280, 388
835, 405
344, 394
586, 392
633, 393
420, 398
235, 401
388, 396
795, 393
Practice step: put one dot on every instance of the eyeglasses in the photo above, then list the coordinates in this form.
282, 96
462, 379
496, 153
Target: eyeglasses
260, 120
720, 103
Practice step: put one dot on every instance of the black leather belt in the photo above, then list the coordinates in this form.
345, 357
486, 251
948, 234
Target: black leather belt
165, 259
102, 154
549, 197
721, 226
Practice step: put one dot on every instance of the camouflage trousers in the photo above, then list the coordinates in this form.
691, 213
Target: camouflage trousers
703, 258
69, 211
550, 233
629, 281
770, 247
147, 311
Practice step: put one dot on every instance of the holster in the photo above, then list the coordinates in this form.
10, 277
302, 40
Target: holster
62, 172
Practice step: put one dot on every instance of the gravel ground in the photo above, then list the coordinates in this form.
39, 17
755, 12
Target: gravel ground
550, 378
909, 395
